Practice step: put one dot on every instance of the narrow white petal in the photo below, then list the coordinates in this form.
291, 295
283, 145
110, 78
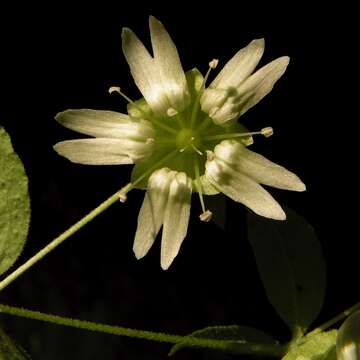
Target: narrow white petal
240, 66
243, 189
257, 166
105, 124
144, 71
176, 218
226, 114
167, 60
146, 231
102, 151
151, 214
212, 98
258, 85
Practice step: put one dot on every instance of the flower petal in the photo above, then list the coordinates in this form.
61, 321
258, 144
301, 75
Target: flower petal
243, 189
167, 60
144, 71
212, 99
258, 85
102, 151
105, 124
151, 214
240, 66
257, 166
176, 218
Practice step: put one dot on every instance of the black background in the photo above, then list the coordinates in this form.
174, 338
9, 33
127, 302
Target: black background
59, 57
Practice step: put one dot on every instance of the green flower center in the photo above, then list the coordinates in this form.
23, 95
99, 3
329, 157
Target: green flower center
182, 138
186, 139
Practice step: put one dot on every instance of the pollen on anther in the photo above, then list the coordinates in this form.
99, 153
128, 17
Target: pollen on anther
171, 112
210, 156
150, 141
122, 197
213, 63
206, 216
267, 131
114, 89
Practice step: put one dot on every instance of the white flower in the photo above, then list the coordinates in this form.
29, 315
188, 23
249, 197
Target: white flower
183, 137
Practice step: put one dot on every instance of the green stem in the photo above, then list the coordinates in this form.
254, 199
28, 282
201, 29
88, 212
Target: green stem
58, 240
239, 348
335, 319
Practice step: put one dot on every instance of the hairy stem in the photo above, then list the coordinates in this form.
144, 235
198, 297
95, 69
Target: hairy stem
58, 240
233, 347
335, 319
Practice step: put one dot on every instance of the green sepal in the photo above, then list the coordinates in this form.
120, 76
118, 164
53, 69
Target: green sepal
195, 81
139, 109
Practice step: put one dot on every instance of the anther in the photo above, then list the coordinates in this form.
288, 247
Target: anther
123, 191
114, 89
117, 89
150, 141
267, 131
210, 156
213, 63
171, 112
122, 197
206, 216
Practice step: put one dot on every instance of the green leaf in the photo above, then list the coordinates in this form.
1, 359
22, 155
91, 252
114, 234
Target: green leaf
9, 350
291, 265
321, 346
14, 204
232, 336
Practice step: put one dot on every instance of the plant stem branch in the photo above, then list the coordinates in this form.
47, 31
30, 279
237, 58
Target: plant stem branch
58, 240
335, 319
228, 346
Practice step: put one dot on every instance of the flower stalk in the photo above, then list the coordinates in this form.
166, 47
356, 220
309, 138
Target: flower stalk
58, 240
227, 346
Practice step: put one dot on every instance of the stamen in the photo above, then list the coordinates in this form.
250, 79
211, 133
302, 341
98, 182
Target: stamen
206, 214
124, 191
117, 89
122, 197
212, 65
190, 143
152, 168
196, 149
147, 116
171, 112
210, 156
267, 132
